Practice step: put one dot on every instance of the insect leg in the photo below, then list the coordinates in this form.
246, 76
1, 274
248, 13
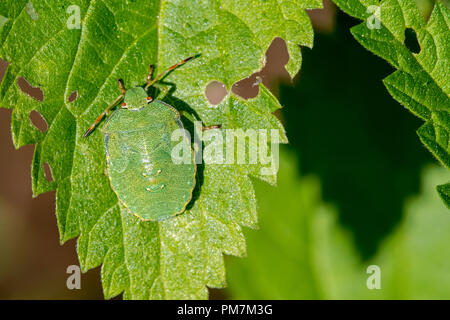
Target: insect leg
215, 126
101, 116
121, 86
150, 73
164, 90
165, 72
192, 118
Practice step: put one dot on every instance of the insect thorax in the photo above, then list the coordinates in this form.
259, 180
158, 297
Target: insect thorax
135, 98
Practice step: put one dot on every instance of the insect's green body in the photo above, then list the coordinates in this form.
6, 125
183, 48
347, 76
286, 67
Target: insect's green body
139, 148
138, 152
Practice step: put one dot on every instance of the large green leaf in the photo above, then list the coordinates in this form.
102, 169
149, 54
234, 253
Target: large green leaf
422, 81
180, 257
304, 253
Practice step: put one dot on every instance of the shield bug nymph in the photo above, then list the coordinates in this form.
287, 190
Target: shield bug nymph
138, 145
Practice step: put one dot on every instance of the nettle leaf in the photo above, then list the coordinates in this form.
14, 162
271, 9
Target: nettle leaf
180, 257
422, 81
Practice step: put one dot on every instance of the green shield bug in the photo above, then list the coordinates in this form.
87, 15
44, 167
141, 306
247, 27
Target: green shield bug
138, 148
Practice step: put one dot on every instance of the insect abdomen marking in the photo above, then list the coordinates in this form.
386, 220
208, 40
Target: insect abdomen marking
145, 174
155, 188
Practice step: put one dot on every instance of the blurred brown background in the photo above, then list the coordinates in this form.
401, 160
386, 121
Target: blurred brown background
32, 262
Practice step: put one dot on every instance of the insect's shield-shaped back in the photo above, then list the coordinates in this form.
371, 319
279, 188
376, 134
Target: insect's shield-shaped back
181, 152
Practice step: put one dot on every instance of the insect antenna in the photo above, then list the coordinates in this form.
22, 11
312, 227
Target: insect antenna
165, 72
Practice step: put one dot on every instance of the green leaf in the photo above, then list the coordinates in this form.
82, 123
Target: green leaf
414, 260
444, 192
422, 82
180, 257
304, 253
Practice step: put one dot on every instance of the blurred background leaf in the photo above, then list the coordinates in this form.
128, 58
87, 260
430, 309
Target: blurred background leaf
420, 52
297, 248
349, 132
303, 252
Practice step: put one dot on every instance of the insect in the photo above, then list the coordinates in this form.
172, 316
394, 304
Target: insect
137, 138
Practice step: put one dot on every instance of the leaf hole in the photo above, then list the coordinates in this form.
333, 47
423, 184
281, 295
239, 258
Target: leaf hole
274, 70
323, 19
34, 92
411, 41
48, 172
215, 92
73, 96
38, 121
